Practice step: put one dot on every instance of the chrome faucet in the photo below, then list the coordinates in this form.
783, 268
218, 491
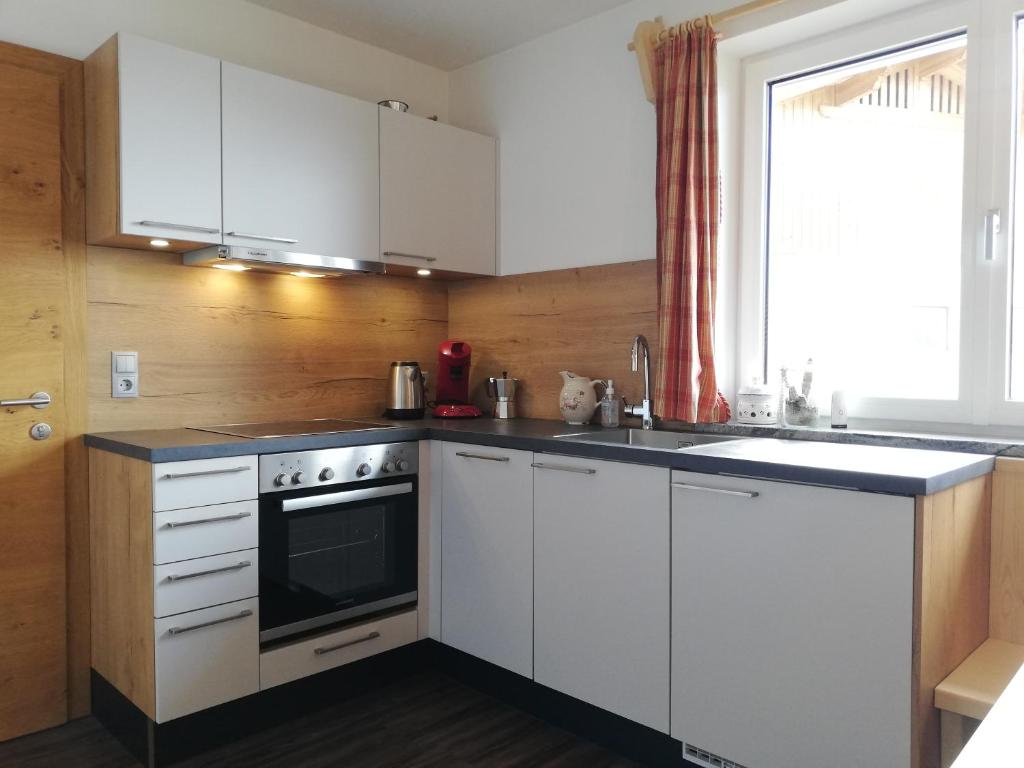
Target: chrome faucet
643, 410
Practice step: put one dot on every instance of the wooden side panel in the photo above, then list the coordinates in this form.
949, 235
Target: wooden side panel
535, 325
101, 140
217, 347
951, 610
121, 500
1006, 614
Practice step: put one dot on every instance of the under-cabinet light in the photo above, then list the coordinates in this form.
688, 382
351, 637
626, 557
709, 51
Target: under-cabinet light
303, 273
231, 267
422, 272
159, 243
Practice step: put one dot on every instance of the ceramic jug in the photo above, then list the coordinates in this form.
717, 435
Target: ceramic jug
578, 398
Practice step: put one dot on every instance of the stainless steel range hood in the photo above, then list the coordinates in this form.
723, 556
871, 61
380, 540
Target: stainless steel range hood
240, 257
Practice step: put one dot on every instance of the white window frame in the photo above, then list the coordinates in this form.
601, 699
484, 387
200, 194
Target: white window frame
918, 24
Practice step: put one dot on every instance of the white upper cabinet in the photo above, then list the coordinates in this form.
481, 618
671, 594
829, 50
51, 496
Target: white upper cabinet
487, 554
438, 188
153, 137
601, 584
300, 167
792, 612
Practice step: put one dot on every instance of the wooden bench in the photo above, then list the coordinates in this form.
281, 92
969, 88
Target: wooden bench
971, 689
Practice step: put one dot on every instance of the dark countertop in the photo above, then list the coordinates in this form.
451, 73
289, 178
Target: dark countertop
881, 469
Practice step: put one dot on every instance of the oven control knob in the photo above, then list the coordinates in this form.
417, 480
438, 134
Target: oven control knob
403, 465
282, 479
298, 477
363, 470
387, 467
326, 474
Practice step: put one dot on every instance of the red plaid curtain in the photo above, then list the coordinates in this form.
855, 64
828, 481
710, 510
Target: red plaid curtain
688, 220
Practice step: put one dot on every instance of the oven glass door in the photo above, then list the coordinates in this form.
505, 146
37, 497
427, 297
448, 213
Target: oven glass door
336, 554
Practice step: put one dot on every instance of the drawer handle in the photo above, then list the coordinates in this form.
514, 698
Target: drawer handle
204, 473
236, 567
185, 227
401, 255
482, 456
268, 238
564, 468
215, 622
183, 523
724, 491
339, 646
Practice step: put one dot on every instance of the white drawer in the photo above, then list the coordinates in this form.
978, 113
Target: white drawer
182, 534
192, 584
181, 484
206, 657
316, 654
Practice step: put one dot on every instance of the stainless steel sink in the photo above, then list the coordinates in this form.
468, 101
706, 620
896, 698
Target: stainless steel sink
648, 438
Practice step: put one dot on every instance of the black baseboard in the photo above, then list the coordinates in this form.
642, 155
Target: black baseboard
157, 745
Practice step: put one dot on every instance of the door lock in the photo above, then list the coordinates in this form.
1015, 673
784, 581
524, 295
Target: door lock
41, 431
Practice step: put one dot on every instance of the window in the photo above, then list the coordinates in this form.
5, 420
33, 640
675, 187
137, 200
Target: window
881, 170
864, 200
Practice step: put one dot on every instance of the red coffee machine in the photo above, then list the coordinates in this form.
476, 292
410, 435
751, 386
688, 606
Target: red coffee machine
452, 401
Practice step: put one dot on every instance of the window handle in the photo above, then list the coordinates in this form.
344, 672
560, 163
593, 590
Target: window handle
993, 226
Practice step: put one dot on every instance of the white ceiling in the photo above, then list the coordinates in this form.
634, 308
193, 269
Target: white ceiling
447, 34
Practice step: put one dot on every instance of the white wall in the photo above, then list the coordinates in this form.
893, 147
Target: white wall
233, 30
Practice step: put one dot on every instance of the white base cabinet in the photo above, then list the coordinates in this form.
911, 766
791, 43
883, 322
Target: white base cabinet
791, 622
487, 554
601, 598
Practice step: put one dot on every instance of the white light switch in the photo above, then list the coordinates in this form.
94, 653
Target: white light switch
124, 374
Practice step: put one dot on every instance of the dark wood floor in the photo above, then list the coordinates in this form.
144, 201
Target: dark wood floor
426, 720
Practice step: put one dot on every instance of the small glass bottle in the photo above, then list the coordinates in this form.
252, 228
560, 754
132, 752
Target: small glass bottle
609, 406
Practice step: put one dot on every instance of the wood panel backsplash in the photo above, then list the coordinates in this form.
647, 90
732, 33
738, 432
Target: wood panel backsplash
536, 325
217, 346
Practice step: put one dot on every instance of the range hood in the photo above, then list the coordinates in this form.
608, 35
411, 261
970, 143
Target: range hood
242, 257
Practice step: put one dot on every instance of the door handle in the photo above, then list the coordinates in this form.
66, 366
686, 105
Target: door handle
38, 400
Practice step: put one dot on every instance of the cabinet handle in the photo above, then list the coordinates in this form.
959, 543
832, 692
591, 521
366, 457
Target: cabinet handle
268, 238
236, 567
409, 256
339, 646
184, 227
204, 473
215, 622
482, 456
564, 468
724, 491
222, 518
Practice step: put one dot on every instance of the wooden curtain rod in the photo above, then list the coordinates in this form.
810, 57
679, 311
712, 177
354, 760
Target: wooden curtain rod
650, 34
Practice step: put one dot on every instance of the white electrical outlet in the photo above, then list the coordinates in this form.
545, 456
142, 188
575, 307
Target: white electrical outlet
124, 374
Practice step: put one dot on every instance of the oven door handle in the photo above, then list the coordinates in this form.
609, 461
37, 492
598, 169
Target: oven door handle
344, 497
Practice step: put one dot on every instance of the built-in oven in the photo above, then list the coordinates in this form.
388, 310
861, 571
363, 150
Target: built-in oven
338, 536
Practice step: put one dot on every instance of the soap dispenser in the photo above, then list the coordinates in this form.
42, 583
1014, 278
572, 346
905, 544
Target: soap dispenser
609, 406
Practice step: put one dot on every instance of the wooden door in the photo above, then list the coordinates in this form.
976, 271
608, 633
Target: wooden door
33, 661
792, 610
300, 167
601, 584
487, 554
438, 193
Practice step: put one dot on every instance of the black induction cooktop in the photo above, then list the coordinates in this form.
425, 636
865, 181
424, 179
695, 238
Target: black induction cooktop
269, 429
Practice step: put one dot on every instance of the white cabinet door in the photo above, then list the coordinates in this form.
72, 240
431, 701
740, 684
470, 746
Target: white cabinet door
169, 103
300, 167
791, 622
601, 576
487, 554
206, 657
438, 189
